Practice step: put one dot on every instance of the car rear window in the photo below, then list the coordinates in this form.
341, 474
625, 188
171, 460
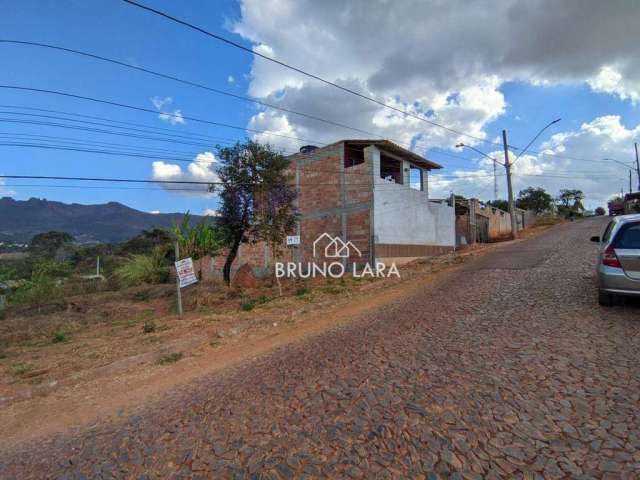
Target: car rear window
628, 237
607, 232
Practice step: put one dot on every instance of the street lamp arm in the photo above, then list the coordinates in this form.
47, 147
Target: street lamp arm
534, 139
478, 151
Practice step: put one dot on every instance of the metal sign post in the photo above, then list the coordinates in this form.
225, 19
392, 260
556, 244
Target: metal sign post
185, 276
178, 281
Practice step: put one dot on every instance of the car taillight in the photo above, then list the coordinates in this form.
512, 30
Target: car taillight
610, 259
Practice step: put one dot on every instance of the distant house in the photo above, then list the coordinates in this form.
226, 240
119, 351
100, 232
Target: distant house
373, 195
478, 222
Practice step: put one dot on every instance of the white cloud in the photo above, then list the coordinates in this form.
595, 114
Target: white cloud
210, 212
155, 212
174, 118
610, 80
201, 169
231, 80
446, 60
574, 159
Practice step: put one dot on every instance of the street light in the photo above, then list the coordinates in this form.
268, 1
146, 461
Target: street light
534, 139
495, 177
507, 166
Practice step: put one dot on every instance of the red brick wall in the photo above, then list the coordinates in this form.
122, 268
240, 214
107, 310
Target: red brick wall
321, 190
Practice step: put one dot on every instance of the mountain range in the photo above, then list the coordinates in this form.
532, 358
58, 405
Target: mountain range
103, 223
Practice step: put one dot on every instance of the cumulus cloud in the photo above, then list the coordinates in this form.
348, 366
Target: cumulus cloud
231, 80
201, 169
586, 158
447, 61
444, 60
210, 212
174, 118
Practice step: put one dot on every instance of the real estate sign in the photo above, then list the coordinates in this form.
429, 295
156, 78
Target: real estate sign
186, 274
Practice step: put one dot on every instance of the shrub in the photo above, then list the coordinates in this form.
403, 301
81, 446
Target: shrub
171, 358
44, 284
264, 299
149, 327
60, 337
302, 291
247, 304
140, 269
142, 296
21, 368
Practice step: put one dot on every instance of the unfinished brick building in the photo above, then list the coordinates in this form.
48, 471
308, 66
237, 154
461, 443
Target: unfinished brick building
371, 193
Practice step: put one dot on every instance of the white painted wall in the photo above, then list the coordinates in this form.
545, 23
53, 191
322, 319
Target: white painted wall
405, 216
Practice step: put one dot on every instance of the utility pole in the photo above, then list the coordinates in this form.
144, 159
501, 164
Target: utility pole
507, 166
178, 281
630, 188
495, 181
637, 164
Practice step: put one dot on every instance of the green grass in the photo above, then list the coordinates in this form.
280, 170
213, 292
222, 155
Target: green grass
149, 327
247, 304
264, 299
142, 296
20, 369
302, 291
171, 358
60, 337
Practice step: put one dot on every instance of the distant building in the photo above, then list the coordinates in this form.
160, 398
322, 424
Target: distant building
373, 195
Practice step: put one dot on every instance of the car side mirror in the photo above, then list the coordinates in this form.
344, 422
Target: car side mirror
595, 239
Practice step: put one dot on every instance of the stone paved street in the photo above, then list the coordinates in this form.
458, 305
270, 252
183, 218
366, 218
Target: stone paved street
505, 368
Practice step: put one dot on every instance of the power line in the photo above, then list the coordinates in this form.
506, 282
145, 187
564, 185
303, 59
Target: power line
201, 86
145, 128
188, 82
155, 112
303, 72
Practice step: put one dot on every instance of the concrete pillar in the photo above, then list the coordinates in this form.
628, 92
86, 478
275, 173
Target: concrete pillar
425, 181
372, 155
406, 173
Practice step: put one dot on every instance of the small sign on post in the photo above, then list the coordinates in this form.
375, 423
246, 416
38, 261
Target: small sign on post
293, 240
185, 272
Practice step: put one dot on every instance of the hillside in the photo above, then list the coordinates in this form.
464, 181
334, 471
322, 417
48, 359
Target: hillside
109, 222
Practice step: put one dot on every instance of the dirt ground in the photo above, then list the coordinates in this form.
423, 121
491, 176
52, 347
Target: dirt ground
69, 363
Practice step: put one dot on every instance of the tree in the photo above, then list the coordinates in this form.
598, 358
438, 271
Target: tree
256, 197
501, 204
198, 240
571, 202
274, 217
536, 199
48, 244
146, 241
600, 211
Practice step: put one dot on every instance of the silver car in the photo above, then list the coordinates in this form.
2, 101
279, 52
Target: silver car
619, 259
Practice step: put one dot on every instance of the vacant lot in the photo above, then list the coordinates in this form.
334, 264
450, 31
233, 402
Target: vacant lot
66, 361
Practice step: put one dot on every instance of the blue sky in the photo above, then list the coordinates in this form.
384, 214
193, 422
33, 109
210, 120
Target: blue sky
466, 83
115, 30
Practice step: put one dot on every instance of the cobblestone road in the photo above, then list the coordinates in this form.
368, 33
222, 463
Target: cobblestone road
505, 369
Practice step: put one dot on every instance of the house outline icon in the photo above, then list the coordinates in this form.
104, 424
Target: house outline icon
336, 248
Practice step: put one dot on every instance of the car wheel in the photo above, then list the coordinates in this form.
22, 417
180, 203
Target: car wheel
605, 299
